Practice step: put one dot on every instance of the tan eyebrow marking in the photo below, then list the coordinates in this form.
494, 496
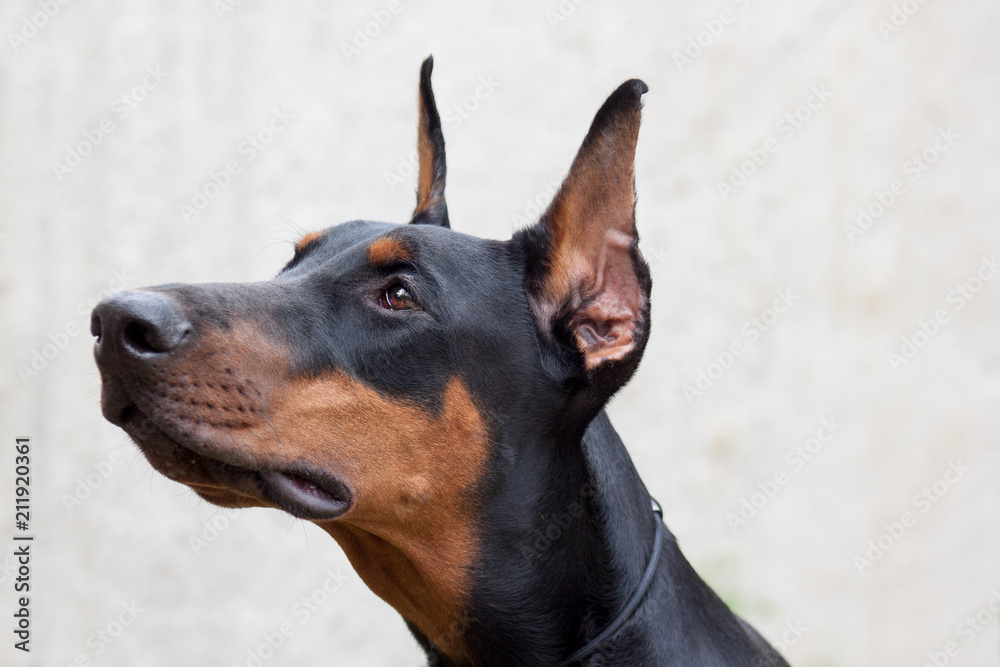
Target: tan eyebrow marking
306, 240
387, 250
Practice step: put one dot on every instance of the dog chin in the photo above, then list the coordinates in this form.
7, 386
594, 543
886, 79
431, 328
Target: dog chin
216, 482
305, 494
223, 497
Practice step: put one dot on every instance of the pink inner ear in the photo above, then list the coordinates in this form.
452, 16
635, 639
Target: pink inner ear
605, 325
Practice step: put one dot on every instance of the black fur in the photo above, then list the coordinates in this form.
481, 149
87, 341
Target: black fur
564, 519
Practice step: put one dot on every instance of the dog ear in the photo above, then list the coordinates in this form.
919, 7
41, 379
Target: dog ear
587, 283
431, 207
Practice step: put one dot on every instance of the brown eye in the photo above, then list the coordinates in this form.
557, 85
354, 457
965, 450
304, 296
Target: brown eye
397, 298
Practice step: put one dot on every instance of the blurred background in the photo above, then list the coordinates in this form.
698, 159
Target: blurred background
818, 200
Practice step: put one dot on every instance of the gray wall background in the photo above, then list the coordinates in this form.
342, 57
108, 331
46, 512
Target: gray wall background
718, 262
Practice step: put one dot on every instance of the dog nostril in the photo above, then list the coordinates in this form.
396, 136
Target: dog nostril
95, 326
147, 338
138, 324
139, 337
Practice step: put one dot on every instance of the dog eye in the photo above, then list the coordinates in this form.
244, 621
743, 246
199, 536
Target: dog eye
397, 298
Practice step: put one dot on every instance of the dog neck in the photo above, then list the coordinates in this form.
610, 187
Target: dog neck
564, 546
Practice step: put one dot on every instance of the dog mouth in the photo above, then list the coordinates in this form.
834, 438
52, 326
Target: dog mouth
306, 496
296, 488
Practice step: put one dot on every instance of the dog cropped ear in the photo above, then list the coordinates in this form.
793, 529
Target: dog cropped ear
587, 283
431, 207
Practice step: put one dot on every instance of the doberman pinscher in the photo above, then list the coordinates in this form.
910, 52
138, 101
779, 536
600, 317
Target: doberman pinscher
435, 402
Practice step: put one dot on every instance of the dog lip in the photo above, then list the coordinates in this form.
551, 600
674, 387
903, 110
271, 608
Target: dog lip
131, 419
304, 496
302, 493
128, 413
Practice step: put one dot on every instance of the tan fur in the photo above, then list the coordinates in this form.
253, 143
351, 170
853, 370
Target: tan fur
410, 531
387, 250
591, 231
427, 195
306, 240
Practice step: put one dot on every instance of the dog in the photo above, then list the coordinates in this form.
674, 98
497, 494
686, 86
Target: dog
435, 402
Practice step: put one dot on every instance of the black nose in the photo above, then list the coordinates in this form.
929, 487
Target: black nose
137, 324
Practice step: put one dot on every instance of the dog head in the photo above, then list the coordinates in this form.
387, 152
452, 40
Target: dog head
381, 383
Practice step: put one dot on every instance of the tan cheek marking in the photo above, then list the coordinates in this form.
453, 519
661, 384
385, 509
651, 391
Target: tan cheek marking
387, 250
220, 389
217, 393
410, 533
